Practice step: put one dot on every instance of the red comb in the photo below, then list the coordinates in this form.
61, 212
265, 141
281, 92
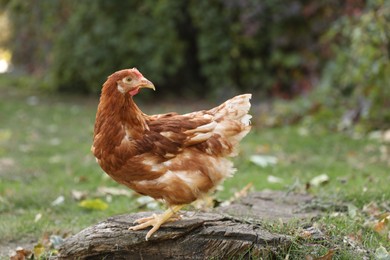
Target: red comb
136, 72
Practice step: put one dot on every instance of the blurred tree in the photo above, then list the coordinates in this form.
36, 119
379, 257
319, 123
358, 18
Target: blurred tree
104, 36
193, 47
34, 26
358, 75
270, 46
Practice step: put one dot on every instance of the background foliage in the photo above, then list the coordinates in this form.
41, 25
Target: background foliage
358, 75
216, 48
225, 46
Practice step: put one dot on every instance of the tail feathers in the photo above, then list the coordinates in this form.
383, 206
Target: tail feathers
236, 108
233, 120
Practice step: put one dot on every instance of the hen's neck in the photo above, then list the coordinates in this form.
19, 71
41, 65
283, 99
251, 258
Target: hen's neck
119, 116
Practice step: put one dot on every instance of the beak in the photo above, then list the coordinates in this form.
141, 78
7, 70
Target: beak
144, 83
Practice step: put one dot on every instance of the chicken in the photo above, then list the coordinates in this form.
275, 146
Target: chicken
170, 157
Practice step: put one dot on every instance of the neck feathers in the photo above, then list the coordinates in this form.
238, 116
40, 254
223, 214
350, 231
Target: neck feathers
117, 118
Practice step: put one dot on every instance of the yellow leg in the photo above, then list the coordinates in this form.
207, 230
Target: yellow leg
155, 220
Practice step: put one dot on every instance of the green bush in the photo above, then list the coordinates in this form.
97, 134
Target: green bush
266, 46
103, 36
186, 47
34, 26
358, 76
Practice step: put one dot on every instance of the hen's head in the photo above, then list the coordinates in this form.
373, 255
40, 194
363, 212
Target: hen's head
129, 81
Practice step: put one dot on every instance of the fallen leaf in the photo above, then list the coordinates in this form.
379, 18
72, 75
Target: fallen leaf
263, 160
114, 191
274, 179
312, 232
319, 180
39, 249
327, 256
386, 136
352, 210
79, 195
352, 241
372, 209
383, 225
356, 238
58, 201
37, 217
379, 226
243, 192
381, 254
20, 254
93, 204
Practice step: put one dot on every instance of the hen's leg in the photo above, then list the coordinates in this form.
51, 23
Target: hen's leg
155, 220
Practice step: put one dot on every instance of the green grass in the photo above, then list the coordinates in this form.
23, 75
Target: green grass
45, 153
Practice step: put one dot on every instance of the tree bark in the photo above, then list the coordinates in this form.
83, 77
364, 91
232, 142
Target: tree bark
230, 231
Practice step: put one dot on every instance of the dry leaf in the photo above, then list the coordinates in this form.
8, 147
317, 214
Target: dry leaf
114, 191
312, 232
79, 195
382, 226
381, 254
327, 256
243, 192
356, 238
93, 204
319, 180
58, 201
352, 210
37, 217
263, 160
379, 226
274, 179
386, 136
20, 254
39, 249
371, 209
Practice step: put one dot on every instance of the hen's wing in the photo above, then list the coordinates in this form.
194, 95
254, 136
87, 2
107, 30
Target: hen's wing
215, 132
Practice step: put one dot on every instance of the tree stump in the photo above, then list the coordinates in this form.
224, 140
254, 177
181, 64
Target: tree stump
231, 231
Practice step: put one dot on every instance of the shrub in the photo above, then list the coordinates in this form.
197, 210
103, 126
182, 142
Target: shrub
358, 76
103, 36
187, 47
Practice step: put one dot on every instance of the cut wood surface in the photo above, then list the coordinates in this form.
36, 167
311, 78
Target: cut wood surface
230, 231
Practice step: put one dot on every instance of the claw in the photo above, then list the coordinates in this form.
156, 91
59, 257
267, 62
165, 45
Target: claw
156, 221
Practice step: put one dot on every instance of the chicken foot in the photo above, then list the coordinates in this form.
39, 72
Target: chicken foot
156, 220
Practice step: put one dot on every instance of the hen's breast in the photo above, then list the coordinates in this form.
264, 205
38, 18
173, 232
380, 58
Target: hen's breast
184, 178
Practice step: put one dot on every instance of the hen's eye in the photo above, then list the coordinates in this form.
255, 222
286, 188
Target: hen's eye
127, 80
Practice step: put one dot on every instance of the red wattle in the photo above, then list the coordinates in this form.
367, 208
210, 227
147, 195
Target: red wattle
134, 92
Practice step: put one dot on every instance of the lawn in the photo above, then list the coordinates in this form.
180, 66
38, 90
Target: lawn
47, 169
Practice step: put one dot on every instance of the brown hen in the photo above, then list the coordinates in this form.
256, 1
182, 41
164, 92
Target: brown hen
170, 157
